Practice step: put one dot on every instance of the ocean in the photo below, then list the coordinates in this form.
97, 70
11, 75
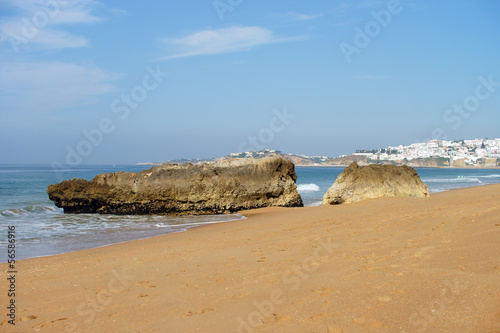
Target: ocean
42, 229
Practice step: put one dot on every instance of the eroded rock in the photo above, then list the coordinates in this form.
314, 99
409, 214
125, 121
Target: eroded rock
223, 187
357, 183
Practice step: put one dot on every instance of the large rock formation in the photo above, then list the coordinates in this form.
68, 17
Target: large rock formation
357, 183
223, 187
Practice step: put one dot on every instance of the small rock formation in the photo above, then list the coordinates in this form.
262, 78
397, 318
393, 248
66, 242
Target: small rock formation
222, 187
357, 183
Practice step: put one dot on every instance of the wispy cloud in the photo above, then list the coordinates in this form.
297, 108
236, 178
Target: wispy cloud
218, 41
118, 12
371, 77
20, 36
44, 24
293, 16
69, 11
39, 87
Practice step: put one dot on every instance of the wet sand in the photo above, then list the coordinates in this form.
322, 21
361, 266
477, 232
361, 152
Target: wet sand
380, 265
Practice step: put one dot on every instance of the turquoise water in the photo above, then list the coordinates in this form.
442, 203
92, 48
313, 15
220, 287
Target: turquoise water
42, 229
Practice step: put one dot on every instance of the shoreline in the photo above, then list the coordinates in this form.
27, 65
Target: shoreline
137, 239
242, 213
374, 266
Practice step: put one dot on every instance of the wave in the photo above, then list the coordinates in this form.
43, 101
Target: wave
490, 176
308, 188
459, 179
229, 218
32, 209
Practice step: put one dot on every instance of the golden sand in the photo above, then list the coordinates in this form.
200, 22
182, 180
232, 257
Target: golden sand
381, 265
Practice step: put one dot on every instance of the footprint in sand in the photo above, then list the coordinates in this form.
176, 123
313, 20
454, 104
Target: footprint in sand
107, 293
52, 322
192, 313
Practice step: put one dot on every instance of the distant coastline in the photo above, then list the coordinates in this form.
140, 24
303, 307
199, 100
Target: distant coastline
337, 165
461, 154
424, 167
342, 165
346, 160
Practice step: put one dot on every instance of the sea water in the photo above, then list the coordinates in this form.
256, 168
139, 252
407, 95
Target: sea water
42, 229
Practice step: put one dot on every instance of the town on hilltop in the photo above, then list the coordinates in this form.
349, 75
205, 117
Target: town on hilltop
460, 153
434, 153
477, 153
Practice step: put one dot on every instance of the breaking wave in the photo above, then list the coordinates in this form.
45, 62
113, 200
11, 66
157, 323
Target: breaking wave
32, 209
308, 188
458, 179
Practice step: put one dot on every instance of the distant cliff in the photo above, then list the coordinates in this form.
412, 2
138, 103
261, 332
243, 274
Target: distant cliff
431, 162
222, 187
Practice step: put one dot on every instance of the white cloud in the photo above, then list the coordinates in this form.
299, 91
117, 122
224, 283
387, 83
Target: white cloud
59, 11
225, 40
43, 24
30, 87
60, 39
34, 87
20, 36
293, 16
118, 12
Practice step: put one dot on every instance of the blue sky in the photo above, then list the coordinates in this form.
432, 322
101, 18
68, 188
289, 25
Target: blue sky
120, 82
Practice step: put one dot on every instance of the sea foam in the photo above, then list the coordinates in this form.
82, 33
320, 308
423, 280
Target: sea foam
308, 188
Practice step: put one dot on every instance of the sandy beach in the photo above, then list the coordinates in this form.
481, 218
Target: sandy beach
381, 265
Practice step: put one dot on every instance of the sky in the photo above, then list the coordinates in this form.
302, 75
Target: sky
121, 82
